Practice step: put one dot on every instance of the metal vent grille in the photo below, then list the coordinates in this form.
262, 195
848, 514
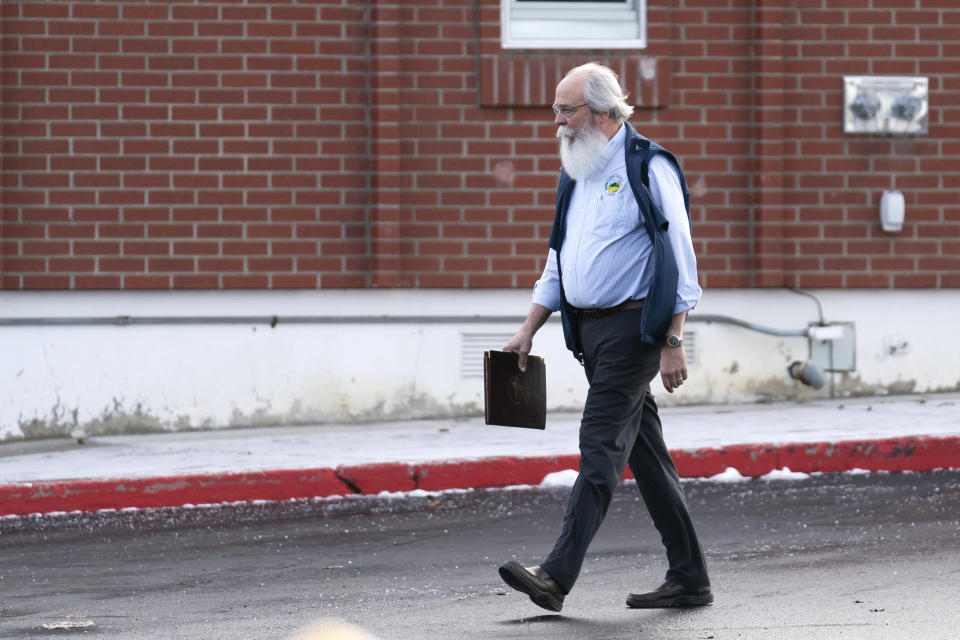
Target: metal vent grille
690, 346
472, 346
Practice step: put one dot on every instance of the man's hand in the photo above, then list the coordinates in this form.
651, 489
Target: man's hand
520, 344
673, 367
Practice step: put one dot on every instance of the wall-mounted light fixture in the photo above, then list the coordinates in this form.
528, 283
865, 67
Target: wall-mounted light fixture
892, 211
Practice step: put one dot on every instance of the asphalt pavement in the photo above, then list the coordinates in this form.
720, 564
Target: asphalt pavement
895, 433
855, 556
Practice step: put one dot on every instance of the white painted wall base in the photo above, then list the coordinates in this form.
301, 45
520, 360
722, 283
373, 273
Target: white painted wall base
72, 380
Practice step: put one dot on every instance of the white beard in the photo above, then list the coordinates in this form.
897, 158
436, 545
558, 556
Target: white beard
582, 153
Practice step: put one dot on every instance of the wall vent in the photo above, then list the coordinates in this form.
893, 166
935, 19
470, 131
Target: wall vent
472, 346
690, 346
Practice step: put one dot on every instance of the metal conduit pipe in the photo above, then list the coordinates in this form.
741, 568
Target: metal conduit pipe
273, 321
706, 317
806, 373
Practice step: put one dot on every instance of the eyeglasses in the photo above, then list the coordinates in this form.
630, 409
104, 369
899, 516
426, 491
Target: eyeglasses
567, 111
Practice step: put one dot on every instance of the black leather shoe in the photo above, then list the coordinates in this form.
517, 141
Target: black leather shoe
536, 583
671, 594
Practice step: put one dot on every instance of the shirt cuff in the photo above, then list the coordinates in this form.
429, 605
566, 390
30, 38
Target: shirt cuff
687, 298
545, 297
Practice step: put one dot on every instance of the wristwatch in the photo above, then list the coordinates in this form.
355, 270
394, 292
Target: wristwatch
674, 341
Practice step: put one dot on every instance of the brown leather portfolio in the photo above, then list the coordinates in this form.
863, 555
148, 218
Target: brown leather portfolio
514, 398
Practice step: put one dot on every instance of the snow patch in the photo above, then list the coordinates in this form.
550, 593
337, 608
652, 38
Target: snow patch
512, 487
564, 478
785, 474
858, 472
415, 493
729, 475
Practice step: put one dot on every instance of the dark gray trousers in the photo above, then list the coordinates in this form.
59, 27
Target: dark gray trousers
621, 426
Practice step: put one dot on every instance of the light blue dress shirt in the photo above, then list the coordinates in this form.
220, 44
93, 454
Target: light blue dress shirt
606, 249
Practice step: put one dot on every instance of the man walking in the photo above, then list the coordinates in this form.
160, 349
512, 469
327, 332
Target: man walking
622, 271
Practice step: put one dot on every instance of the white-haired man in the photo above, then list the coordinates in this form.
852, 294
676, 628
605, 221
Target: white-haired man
622, 271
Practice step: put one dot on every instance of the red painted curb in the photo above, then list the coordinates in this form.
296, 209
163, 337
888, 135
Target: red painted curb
490, 472
922, 453
919, 453
749, 460
173, 491
374, 478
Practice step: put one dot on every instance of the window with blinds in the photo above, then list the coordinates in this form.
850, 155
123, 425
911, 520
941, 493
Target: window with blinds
574, 24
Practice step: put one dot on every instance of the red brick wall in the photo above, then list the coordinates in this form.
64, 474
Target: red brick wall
330, 143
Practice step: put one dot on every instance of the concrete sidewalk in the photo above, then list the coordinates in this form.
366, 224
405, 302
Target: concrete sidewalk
880, 433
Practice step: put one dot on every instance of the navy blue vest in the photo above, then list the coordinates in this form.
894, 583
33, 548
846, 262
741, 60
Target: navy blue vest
658, 305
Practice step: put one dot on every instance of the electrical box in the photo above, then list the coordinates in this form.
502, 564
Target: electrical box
833, 346
886, 104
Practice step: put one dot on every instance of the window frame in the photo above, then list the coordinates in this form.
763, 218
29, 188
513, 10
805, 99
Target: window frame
507, 8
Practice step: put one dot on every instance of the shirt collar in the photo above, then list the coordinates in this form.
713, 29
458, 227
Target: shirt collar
616, 141
613, 146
